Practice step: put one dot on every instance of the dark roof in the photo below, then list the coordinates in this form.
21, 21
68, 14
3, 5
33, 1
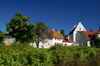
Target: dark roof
72, 30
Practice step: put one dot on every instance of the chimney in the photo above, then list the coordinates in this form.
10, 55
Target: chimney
52, 29
91, 30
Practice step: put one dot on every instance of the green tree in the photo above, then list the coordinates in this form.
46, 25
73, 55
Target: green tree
62, 32
41, 33
20, 29
1, 36
97, 41
6, 35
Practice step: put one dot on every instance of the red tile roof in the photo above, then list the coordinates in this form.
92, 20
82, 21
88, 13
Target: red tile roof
55, 34
79, 32
66, 40
90, 33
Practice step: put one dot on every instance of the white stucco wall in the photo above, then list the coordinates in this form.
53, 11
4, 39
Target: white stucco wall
84, 40
57, 40
47, 44
77, 37
68, 43
97, 35
88, 43
50, 42
8, 41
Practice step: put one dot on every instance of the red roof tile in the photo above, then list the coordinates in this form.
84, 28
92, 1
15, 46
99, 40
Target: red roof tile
66, 40
79, 32
90, 33
55, 34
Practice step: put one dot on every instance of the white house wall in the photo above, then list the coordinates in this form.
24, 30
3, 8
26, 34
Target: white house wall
58, 40
8, 41
82, 41
50, 42
77, 37
68, 43
45, 45
88, 43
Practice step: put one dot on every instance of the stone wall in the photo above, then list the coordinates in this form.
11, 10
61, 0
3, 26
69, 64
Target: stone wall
8, 41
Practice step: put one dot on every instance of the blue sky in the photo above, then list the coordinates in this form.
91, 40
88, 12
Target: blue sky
56, 14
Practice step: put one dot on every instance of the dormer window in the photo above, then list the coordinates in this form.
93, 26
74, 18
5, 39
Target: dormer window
80, 28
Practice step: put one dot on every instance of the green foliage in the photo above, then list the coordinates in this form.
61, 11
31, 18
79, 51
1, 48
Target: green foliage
1, 36
20, 29
23, 55
56, 30
6, 35
62, 32
66, 55
97, 41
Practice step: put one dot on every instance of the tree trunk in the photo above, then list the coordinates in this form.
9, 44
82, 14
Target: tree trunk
37, 44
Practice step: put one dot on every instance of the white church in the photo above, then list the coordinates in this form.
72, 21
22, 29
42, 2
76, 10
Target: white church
74, 33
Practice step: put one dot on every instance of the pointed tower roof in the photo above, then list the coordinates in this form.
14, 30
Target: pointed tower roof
71, 32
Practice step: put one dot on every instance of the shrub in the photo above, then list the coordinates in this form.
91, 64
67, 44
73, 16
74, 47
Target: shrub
23, 55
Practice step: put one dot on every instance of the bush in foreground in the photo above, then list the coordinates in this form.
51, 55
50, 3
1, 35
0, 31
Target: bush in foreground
23, 54
71, 55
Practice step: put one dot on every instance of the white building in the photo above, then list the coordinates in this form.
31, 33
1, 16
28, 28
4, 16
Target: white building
57, 38
73, 33
68, 42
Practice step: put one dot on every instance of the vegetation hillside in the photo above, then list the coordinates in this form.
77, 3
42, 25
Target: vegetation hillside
22, 54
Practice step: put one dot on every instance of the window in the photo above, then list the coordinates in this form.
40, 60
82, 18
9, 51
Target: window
55, 38
80, 28
82, 38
